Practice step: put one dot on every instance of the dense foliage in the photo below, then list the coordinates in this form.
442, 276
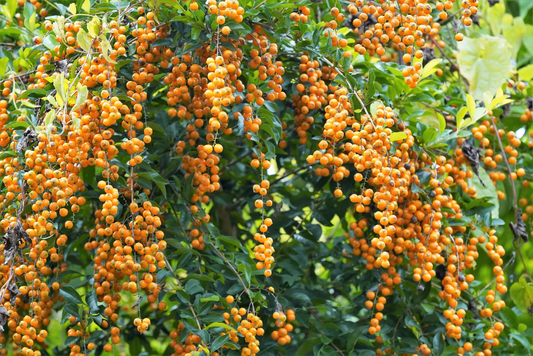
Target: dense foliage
269, 177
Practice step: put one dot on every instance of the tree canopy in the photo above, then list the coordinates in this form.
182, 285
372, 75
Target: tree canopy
266, 177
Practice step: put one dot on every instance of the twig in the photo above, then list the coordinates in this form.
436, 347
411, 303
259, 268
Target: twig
246, 289
449, 60
321, 333
292, 172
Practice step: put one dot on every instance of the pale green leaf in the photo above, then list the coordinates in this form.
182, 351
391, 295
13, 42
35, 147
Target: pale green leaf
487, 98
460, 116
528, 38
59, 27
526, 73
430, 68
442, 122
83, 40
514, 33
106, 47
59, 85
82, 96
3, 66
478, 114
471, 104
499, 101
86, 6
52, 101
72, 9
397, 136
494, 17
485, 62
49, 123
94, 27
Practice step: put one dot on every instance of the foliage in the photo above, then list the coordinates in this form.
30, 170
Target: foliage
266, 177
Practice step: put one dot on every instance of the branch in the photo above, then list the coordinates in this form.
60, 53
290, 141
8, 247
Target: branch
246, 289
449, 60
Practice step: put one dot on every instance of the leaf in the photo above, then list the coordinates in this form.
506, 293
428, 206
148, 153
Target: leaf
72, 9
398, 136
193, 286
528, 38
460, 115
59, 85
83, 92
92, 302
49, 123
219, 342
514, 30
485, 62
522, 340
70, 294
7, 154
83, 40
3, 66
94, 27
522, 294
471, 105
106, 47
37, 92
71, 340
430, 68
218, 325
438, 344
157, 179
86, 6
509, 317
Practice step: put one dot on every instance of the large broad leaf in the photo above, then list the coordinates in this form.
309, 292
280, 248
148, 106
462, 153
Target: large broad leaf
485, 62
514, 30
522, 294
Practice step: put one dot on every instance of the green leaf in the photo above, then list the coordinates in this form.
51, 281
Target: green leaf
83, 92
485, 62
430, 68
522, 340
49, 123
460, 115
522, 294
71, 340
83, 40
438, 344
106, 47
188, 189
214, 298
193, 286
526, 73
72, 9
86, 6
7, 154
59, 85
92, 302
398, 136
3, 66
157, 179
37, 92
218, 325
471, 105
94, 27
70, 294
528, 38
219, 342
509, 317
